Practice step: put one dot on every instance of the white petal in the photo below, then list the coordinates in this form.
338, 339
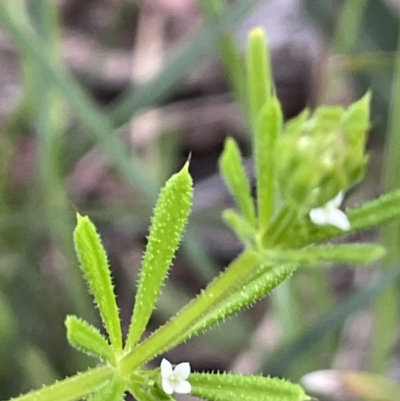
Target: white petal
183, 370
183, 387
324, 382
318, 216
166, 368
167, 386
337, 218
336, 201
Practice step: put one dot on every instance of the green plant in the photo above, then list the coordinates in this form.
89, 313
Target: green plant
300, 167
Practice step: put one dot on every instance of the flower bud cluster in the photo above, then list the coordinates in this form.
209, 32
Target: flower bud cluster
322, 155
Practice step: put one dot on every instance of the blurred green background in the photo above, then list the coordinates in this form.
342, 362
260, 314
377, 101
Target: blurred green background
100, 101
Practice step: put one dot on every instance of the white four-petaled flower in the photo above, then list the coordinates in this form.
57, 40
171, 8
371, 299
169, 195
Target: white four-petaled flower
329, 214
174, 380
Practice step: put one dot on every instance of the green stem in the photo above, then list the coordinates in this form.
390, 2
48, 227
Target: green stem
72, 388
279, 226
164, 338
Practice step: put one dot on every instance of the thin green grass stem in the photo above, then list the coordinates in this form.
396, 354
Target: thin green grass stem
348, 25
346, 33
50, 126
231, 58
386, 309
283, 359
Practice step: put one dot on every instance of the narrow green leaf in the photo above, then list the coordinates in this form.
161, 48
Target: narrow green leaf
239, 225
259, 81
227, 387
371, 214
358, 254
94, 264
113, 391
268, 127
168, 222
250, 292
73, 388
232, 169
87, 338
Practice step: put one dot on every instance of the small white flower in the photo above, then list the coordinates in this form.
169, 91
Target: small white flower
330, 214
174, 380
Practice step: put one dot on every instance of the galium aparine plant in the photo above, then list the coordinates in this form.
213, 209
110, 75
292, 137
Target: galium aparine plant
303, 168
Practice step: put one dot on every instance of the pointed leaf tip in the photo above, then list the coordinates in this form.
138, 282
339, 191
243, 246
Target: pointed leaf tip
258, 31
87, 338
166, 231
94, 264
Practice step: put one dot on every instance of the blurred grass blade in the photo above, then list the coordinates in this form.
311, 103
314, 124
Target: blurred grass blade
91, 117
50, 115
348, 26
387, 309
234, 174
283, 359
99, 126
185, 60
346, 35
167, 225
94, 264
230, 55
